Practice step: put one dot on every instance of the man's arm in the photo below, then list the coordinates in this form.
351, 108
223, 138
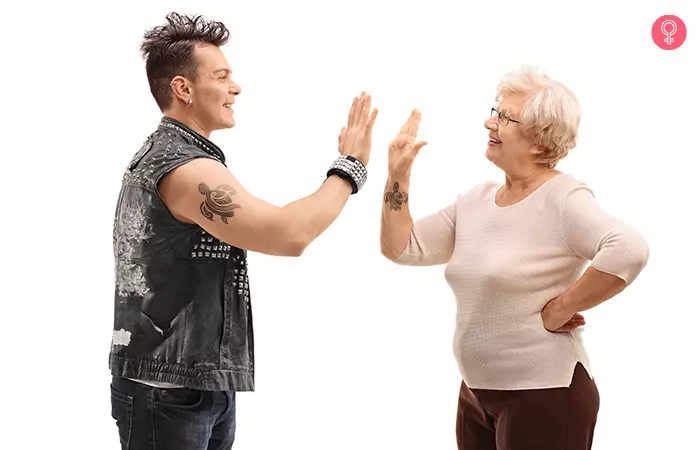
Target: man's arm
206, 193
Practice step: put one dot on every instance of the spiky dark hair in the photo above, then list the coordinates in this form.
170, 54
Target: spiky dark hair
168, 50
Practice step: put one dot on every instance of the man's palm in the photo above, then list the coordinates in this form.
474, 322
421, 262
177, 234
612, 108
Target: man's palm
356, 139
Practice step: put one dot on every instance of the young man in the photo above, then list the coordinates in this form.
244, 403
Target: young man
183, 335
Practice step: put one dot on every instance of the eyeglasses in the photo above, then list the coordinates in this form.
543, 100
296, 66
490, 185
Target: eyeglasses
503, 118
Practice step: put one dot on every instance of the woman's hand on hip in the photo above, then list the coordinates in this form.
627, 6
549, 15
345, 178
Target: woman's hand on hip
558, 320
404, 148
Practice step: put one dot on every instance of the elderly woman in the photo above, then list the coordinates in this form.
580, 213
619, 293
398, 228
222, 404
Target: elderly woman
516, 256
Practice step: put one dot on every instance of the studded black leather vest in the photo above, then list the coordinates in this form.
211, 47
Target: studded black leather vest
182, 310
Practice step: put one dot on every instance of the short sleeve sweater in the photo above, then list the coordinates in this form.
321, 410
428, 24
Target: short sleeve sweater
505, 263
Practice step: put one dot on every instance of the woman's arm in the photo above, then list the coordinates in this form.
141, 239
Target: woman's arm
428, 241
617, 252
593, 288
397, 222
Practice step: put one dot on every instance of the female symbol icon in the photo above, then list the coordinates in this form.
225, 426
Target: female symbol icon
668, 32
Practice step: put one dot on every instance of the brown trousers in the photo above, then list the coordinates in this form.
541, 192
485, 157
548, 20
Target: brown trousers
539, 419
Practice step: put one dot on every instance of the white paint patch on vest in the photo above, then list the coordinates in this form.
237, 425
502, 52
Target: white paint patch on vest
121, 337
131, 229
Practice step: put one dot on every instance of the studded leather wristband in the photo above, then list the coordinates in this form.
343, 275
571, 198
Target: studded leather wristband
349, 169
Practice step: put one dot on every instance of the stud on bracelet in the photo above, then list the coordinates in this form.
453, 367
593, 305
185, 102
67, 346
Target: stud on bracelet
350, 169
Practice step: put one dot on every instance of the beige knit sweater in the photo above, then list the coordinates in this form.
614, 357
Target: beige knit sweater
505, 263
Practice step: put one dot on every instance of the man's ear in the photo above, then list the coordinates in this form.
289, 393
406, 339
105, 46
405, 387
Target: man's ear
180, 89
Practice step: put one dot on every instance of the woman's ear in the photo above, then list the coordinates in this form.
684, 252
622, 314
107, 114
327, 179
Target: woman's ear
535, 150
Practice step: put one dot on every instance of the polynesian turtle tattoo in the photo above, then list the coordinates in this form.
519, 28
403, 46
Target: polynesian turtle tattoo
218, 201
396, 198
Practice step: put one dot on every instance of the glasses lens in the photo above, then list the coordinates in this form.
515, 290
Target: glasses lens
501, 117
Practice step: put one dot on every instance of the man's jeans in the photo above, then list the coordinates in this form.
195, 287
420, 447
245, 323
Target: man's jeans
150, 418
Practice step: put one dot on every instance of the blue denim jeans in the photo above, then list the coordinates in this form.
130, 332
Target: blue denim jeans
150, 418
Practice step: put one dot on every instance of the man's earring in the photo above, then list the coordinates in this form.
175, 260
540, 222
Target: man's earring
189, 103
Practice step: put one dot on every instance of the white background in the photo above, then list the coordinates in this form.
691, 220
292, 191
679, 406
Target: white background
352, 352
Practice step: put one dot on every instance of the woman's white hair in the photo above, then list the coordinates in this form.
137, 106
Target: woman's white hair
551, 114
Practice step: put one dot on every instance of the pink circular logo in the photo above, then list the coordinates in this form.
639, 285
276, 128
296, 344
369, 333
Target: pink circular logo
668, 32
